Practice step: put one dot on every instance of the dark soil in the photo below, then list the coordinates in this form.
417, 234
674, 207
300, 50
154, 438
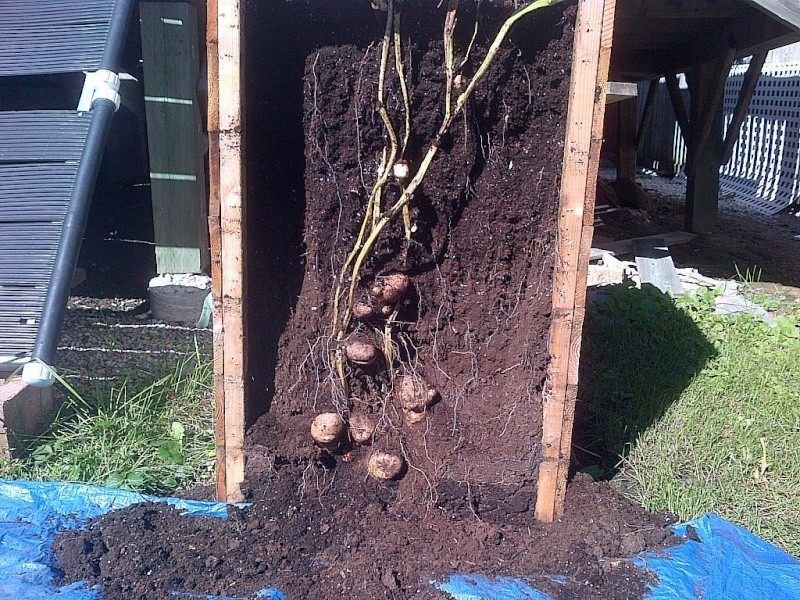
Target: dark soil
350, 537
475, 327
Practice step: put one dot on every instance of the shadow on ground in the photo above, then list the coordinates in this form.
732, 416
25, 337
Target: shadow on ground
639, 353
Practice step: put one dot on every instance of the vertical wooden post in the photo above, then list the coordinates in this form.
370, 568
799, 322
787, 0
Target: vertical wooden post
705, 148
231, 288
215, 235
171, 61
628, 115
647, 113
593, 36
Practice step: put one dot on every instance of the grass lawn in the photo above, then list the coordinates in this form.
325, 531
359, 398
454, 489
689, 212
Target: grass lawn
156, 437
698, 412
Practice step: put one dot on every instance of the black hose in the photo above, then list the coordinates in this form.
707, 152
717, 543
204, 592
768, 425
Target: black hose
77, 214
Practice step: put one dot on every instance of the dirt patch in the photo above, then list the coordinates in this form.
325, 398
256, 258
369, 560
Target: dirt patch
357, 539
473, 325
743, 243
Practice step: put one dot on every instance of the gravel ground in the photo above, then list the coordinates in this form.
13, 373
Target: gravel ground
114, 339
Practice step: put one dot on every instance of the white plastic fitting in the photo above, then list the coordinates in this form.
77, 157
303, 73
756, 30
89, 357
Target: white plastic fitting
99, 84
37, 374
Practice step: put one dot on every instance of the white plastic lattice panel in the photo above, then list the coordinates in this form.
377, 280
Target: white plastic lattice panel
763, 171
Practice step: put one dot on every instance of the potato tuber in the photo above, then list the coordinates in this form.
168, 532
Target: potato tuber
413, 393
362, 310
413, 417
391, 288
326, 428
385, 466
360, 352
362, 427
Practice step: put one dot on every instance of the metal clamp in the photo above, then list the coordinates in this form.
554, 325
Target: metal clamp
101, 84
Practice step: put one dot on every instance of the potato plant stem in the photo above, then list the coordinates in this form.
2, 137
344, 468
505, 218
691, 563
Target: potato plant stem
362, 250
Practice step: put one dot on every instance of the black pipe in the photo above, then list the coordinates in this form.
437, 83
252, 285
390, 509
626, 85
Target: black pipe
77, 214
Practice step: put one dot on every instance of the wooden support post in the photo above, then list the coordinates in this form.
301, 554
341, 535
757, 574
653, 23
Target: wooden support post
230, 285
647, 113
704, 152
678, 106
176, 141
628, 113
743, 104
593, 34
215, 235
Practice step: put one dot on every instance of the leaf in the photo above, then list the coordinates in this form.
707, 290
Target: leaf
115, 480
177, 430
169, 451
135, 480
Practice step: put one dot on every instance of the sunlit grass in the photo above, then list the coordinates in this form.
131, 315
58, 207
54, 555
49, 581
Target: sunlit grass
154, 437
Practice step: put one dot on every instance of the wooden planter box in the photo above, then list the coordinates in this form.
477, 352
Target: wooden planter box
229, 232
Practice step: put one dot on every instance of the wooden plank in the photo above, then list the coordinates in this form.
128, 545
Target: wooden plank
626, 132
704, 157
231, 193
622, 247
647, 112
215, 238
171, 62
617, 91
655, 266
787, 11
593, 35
678, 106
743, 104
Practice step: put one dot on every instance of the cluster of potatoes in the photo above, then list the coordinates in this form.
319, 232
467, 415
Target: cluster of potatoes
412, 394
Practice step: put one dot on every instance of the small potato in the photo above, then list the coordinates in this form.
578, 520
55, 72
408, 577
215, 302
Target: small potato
362, 427
326, 428
413, 417
360, 352
401, 170
362, 310
385, 466
391, 288
413, 393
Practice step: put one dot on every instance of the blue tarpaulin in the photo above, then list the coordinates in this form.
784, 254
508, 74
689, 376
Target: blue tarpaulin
720, 561
32, 512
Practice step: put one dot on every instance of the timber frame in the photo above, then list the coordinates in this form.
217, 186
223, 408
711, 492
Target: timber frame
597, 21
594, 31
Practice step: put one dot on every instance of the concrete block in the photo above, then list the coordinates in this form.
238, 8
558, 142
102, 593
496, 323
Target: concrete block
24, 411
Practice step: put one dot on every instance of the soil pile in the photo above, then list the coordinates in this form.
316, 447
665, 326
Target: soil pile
355, 538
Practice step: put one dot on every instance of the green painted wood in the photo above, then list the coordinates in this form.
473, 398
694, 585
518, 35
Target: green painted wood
176, 141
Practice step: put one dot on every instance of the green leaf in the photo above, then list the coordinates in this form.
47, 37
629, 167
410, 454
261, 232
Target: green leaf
135, 480
115, 480
177, 430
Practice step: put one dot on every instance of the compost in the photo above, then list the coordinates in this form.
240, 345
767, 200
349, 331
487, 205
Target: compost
355, 538
415, 357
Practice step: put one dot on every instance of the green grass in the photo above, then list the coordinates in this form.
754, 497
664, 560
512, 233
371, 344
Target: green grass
704, 408
153, 437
